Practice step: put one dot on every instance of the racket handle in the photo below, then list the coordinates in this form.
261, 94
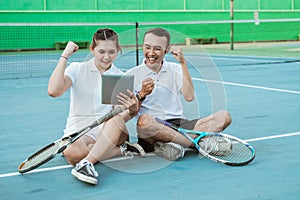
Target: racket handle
163, 122
108, 115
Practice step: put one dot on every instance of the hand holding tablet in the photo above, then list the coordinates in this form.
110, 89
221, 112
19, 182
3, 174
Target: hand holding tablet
112, 85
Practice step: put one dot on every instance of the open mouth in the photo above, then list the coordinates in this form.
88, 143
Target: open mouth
151, 59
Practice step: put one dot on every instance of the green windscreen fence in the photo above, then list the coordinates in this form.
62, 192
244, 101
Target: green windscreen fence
43, 36
49, 5
33, 49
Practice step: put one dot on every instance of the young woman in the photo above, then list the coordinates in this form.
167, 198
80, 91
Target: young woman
84, 81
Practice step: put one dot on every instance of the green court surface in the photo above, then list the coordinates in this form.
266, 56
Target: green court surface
257, 83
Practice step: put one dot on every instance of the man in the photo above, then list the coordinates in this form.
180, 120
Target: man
170, 80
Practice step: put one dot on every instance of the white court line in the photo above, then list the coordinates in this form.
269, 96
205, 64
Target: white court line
273, 137
65, 166
147, 155
249, 86
36, 171
257, 59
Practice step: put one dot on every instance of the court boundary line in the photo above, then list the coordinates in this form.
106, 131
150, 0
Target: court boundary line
248, 86
273, 137
147, 155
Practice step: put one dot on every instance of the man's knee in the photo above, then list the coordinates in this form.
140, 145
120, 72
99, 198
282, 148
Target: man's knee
223, 117
146, 126
144, 120
227, 118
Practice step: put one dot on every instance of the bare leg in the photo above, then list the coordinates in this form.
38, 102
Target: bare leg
111, 135
151, 130
78, 150
216, 122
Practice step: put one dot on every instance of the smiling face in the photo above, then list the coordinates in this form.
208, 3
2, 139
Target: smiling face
105, 53
105, 47
154, 48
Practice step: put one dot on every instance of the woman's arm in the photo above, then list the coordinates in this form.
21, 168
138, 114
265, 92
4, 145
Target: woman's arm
58, 82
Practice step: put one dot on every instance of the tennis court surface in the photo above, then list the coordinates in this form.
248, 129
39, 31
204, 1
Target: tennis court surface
259, 84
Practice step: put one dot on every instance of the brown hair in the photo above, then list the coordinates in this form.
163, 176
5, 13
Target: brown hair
105, 34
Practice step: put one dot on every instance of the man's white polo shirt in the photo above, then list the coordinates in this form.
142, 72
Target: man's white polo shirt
164, 101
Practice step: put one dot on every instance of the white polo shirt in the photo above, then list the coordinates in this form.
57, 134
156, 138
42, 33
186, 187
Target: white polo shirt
85, 95
164, 101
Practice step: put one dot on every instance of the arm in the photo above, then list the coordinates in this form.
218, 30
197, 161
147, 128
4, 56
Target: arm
187, 89
58, 82
147, 87
132, 102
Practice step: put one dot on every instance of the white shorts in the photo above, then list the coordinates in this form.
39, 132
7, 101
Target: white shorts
92, 133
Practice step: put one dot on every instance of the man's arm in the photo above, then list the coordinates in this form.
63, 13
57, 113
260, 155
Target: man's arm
187, 89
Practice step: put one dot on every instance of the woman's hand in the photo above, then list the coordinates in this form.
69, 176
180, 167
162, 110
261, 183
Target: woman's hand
130, 102
70, 49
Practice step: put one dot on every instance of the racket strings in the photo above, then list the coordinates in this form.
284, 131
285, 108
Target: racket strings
41, 156
226, 149
215, 145
239, 153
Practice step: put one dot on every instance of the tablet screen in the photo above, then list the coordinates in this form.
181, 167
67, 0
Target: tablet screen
112, 85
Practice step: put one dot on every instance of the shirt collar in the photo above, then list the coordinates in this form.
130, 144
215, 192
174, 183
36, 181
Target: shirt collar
111, 70
93, 67
149, 71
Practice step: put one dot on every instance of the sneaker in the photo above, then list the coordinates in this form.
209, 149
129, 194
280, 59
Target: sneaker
170, 150
85, 171
218, 146
131, 149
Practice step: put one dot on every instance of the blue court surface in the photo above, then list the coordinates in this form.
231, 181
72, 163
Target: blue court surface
259, 87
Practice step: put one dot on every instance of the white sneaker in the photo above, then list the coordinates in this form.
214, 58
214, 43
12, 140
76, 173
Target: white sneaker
131, 149
85, 171
218, 146
170, 150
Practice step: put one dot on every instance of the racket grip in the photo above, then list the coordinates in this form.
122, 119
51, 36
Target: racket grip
108, 115
163, 122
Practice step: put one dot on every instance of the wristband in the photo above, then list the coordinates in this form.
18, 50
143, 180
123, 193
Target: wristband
138, 96
64, 57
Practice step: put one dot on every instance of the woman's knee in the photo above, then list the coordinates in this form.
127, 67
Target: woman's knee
74, 153
70, 157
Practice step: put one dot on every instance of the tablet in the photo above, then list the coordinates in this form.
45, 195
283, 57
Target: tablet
112, 85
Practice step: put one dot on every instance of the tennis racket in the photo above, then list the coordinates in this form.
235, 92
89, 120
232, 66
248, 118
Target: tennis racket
219, 147
50, 151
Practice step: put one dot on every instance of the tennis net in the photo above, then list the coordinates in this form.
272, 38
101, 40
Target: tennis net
32, 49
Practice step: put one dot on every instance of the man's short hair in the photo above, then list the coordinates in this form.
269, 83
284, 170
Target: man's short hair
161, 33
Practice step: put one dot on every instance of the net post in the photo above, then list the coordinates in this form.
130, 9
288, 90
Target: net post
137, 42
231, 24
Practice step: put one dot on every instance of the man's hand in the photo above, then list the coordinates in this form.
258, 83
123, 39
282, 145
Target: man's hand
178, 54
147, 87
